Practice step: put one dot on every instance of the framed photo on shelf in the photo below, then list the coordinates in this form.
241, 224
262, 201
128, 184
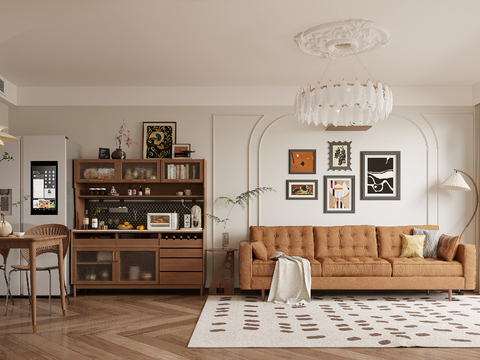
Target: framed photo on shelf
338, 194
181, 151
302, 161
339, 156
380, 175
302, 189
158, 138
103, 153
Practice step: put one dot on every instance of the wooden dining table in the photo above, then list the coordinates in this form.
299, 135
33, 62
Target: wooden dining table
32, 242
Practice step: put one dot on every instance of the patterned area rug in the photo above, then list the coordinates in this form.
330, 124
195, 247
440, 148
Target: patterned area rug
405, 319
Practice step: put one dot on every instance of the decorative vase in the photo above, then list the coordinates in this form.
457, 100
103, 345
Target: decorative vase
225, 240
119, 154
5, 227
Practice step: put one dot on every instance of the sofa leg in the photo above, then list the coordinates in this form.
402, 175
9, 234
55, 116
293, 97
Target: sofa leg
449, 295
428, 292
263, 294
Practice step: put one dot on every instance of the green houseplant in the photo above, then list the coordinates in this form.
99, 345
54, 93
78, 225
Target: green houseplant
243, 201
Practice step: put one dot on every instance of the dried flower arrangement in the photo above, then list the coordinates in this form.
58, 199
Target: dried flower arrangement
123, 135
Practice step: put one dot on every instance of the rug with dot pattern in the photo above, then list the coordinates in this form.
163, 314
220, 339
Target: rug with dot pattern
404, 319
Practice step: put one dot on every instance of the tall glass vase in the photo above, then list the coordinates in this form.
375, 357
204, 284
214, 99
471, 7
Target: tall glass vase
225, 240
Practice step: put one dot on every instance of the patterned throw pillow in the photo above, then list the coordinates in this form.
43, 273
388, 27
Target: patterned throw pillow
259, 250
412, 245
431, 241
447, 247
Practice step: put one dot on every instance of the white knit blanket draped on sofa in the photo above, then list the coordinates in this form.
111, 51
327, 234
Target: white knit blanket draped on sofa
292, 281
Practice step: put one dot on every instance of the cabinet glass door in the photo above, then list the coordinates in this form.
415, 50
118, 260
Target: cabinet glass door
95, 170
138, 266
94, 266
147, 171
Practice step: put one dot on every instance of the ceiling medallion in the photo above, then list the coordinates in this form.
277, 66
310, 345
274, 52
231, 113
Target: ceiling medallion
341, 38
346, 104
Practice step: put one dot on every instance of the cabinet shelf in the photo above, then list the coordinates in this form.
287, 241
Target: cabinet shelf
94, 263
139, 197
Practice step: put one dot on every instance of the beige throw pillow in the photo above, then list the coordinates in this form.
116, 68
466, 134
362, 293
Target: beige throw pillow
412, 245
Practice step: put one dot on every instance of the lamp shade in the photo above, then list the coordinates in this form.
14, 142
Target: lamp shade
4, 137
455, 182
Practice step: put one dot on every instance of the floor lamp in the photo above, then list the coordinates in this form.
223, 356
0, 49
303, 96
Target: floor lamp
457, 182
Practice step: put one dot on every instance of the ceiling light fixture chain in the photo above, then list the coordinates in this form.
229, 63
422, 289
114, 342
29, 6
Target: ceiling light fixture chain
345, 103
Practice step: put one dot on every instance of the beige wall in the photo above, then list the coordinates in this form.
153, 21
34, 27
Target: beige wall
247, 147
3, 114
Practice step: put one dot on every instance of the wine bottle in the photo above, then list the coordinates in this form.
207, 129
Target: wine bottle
129, 190
86, 220
94, 221
140, 191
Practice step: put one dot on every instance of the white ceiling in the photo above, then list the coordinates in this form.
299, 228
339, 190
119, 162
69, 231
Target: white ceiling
229, 42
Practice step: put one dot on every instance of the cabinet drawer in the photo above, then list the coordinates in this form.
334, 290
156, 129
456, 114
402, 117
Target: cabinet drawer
137, 242
181, 278
180, 264
183, 243
95, 242
181, 253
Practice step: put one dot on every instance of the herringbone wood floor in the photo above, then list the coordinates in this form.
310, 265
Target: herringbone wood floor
150, 325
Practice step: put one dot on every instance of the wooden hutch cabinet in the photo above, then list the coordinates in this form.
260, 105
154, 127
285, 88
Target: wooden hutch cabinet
123, 258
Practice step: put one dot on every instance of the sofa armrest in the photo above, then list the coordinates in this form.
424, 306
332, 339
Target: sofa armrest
466, 254
245, 260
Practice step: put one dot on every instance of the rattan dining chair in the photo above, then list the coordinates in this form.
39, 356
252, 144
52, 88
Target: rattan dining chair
48, 229
3, 267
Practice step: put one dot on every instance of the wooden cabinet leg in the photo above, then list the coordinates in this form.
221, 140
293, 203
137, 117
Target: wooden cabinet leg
449, 295
263, 294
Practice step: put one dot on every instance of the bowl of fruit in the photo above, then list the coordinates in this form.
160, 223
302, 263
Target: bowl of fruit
125, 226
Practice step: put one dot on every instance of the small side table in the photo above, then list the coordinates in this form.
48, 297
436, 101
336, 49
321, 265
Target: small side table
228, 267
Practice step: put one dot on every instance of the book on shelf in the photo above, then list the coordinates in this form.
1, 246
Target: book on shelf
179, 171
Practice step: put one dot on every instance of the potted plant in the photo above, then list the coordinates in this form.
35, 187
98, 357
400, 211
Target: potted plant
123, 135
242, 200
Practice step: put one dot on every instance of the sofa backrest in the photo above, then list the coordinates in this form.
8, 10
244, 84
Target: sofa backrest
291, 240
345, 241
390, 238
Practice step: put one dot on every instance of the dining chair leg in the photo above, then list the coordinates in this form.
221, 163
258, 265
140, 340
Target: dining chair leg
28, 289
49, 293
8, 287
66, 294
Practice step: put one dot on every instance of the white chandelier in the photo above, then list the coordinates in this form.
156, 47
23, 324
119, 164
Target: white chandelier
343, 104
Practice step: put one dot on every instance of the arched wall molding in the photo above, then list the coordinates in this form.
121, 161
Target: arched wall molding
272, 122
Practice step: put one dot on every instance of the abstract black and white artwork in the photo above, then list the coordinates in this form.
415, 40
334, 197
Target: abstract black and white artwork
380, 175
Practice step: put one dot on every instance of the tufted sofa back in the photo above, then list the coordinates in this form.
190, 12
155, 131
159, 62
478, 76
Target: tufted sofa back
291, 240
390, 238
345, 241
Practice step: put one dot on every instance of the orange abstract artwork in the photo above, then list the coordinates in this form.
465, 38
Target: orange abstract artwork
302, 162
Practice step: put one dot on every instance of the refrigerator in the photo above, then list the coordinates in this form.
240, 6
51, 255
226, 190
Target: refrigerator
35, 157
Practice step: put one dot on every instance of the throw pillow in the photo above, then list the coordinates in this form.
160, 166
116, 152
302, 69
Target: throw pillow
412, 245
259, 250
447, 247
431, 241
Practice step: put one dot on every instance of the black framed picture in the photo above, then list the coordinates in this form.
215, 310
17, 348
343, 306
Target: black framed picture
338, 194
339, 157
302, 189
103, 153
380, 175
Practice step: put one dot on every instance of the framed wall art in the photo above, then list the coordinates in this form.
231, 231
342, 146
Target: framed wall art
180, 151
380, 175
339, 157
338, 194
158, 138
302, 161
302, 189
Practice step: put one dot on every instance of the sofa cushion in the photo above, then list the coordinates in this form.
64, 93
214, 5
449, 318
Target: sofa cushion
424, 267
390, 238
259, 250
412, 245
431, 241
447, 247
355, 266
291, 240
266, 268
345, 241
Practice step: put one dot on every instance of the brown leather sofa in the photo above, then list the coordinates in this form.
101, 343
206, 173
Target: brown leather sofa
360, 257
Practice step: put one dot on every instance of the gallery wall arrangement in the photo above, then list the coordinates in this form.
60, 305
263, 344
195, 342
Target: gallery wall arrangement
379, 177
